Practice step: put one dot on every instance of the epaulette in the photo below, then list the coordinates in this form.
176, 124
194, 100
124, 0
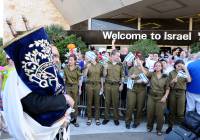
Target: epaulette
164, 75
120, 63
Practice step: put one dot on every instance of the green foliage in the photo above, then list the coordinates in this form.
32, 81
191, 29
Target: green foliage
2, 54
145, 47
62, 45
58, 36
56, 33
195, 47
1, 41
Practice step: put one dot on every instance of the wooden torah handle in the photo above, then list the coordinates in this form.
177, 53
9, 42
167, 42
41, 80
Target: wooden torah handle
13, 31
26, 23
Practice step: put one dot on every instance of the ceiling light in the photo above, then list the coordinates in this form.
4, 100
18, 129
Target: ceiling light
154, 24
129, 20
179, 20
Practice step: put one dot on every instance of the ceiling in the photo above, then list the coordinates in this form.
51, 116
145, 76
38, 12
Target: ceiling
76, 11
157, 9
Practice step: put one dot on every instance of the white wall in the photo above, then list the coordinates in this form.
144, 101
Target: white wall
38, 12
76, 11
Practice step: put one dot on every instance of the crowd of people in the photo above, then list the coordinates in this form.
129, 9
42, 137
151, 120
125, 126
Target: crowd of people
165, 81
159, 81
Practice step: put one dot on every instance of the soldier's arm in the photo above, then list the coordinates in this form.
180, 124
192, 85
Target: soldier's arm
102, 82
122, 74
85, 71
167, 90
144, 70
139, 81
102, 78
113, 44
171, 79
105, 70
189, 79
80, 83
164, 98
80, 80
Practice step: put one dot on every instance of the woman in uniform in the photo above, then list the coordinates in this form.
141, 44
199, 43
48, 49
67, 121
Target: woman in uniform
93, 72
179, 78
159, 90
136, 95
73, 83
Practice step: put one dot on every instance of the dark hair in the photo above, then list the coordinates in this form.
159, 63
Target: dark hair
178, 62
74, 56
163, 60
160, 63
92, 48
139, 55
114, 52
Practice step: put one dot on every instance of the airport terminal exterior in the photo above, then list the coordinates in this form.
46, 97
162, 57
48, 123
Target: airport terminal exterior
100, 21
92, 18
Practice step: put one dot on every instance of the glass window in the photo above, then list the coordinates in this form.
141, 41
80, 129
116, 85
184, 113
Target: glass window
165, 24
114, 24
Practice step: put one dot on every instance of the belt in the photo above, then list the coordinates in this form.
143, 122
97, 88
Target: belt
156, 95
71, 85
178, 90
112, 82
93, 82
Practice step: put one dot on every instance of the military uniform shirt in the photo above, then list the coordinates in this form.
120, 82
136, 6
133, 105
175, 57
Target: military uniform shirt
136, 71
181, 82
94, 73
114, 72
158, 85
72, 77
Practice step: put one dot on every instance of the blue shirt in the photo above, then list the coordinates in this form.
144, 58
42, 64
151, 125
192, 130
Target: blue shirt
80, 63
194, 70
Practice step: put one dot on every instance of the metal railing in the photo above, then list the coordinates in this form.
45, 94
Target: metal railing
82, 103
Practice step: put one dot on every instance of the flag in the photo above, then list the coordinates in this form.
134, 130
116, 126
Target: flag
91, 55
182, 74
130, 83
143, 77
129, 58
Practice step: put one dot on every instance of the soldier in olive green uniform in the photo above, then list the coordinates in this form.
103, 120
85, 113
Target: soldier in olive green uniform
135, 96
113, 73
94, 72
177, 93
73, 84
159, 90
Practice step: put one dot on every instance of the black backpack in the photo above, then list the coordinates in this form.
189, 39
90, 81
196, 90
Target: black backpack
192, 122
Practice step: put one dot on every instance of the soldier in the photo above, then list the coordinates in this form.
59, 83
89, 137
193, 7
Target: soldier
136, 95
159, 90
113, 73
179, 78
94, 72
73, 83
